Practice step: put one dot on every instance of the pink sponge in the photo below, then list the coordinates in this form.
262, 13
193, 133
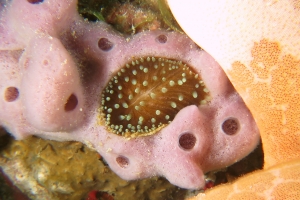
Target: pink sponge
150, 104
51, 86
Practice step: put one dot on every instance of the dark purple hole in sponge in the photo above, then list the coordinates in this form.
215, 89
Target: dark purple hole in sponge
187, 141
230, 126
104, 44
11, 94
162, 39
122, 161
35, 1
71, 103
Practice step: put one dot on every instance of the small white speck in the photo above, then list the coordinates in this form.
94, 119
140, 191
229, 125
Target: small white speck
157, 112
205, 90
126, 78
203, 102
117, 106
134, 72
195, 94
180, 97
133, 82
164, 90
125, 105
145, 83
171, 83
173, 105
152, 95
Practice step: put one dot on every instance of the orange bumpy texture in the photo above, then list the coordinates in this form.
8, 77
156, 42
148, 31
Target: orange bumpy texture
279, 182
276, 100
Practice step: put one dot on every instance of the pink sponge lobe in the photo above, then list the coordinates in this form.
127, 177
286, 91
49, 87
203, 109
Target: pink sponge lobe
52, 92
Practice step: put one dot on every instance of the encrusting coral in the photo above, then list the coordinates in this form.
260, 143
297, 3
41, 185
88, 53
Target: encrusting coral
59, 71
70, 170
257, 43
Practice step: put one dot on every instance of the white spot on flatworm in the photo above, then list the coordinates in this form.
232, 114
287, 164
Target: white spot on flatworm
133, 82
180, 97
171, 83
173, 105
164, 90
195, 94
152, 95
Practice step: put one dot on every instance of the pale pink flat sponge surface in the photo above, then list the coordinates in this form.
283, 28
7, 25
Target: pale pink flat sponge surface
59, 73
